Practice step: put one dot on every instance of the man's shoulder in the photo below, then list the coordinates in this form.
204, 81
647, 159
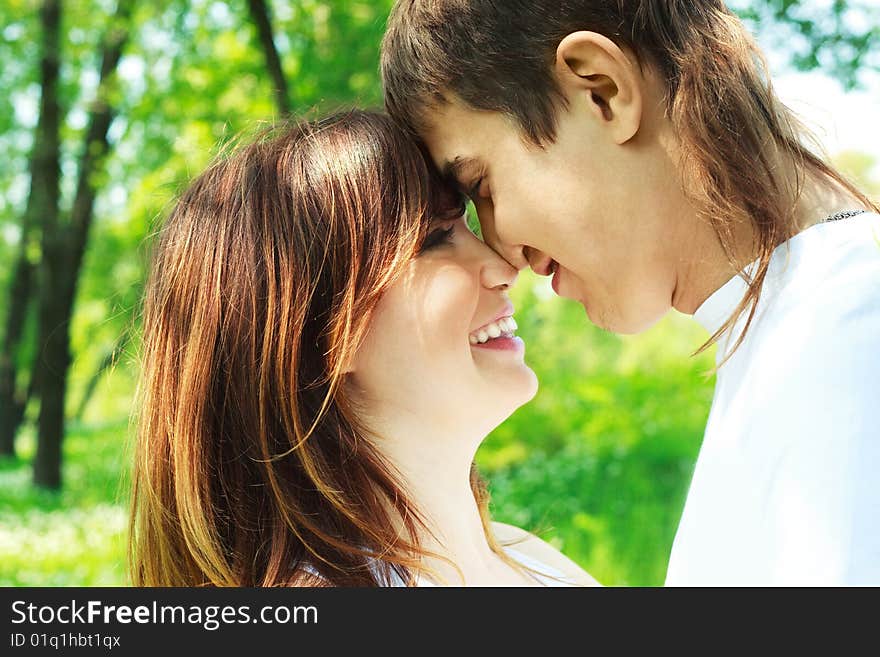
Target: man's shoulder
810, 363
841, 261
825, 306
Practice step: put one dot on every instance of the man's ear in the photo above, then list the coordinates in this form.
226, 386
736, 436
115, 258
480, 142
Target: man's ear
593, 67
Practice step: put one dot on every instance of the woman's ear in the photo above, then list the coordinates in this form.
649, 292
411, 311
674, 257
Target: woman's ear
350, 364
593, 68
352, 359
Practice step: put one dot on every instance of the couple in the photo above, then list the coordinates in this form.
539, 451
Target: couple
327, 344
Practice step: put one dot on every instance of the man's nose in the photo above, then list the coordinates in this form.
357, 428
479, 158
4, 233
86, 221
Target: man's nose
514, 255
538, 261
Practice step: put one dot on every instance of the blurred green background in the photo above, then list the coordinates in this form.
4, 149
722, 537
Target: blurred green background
598, 463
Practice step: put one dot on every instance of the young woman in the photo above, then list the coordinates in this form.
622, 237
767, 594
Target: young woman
635, 150
325, 346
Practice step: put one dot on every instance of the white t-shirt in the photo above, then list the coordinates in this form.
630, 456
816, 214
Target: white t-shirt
786, 489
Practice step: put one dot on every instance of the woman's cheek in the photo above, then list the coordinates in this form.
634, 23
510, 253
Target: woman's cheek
447, 306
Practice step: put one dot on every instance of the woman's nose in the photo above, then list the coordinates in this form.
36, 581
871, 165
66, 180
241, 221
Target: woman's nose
496, 272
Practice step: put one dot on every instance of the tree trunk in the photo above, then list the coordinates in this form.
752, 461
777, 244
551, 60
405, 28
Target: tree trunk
52, 364
63, 251
263, 22
42, 208
11, 401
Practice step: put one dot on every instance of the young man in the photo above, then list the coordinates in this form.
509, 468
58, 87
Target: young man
635, 151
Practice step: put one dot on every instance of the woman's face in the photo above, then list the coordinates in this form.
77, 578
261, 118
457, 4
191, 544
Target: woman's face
441, 347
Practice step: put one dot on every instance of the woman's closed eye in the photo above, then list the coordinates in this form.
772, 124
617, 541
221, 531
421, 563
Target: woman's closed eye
438, 237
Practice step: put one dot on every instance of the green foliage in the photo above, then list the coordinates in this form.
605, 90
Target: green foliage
862, 168
840, 36
600, 460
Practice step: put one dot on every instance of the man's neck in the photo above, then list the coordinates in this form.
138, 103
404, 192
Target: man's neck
711, 267
820, 199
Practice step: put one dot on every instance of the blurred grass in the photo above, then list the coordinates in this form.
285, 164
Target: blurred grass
598, 463
74, 537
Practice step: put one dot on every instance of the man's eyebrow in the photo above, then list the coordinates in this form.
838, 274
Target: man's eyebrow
456, 167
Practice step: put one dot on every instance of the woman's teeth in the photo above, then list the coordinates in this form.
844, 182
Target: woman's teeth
504, 327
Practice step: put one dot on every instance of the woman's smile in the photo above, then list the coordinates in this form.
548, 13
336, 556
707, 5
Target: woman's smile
507, 342
500, 328
499, 334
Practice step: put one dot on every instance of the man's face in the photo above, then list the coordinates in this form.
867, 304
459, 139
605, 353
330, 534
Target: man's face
600, 216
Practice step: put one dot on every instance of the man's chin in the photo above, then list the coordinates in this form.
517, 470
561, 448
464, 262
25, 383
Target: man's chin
611, 322
622, 326
599, 320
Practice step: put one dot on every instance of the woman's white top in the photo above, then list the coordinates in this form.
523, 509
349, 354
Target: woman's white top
786, 489
545, 574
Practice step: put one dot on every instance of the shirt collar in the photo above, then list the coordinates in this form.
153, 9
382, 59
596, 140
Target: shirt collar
715, 310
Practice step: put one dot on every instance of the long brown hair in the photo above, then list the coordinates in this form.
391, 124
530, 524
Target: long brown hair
734, 130
251, 468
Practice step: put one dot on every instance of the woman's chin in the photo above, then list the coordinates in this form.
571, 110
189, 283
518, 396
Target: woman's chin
516, 391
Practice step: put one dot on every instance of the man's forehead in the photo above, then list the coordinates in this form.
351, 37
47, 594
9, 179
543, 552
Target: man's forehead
458, 136
449, 157
451, 140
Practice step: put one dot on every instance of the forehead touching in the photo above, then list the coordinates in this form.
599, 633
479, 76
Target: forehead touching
445, 198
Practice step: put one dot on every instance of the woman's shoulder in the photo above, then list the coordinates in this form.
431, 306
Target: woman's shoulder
536, 549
